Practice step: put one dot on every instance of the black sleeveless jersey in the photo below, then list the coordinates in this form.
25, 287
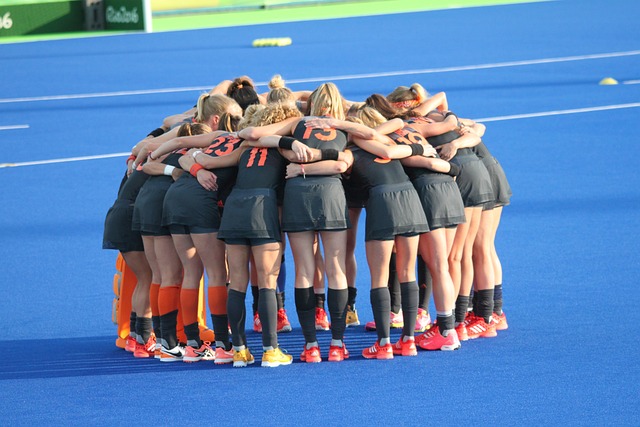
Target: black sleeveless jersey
261, 168
369, 170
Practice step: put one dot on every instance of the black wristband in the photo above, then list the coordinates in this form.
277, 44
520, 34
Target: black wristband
454, 171
329, 154
416, 149
450, 113
286, 142
156, 132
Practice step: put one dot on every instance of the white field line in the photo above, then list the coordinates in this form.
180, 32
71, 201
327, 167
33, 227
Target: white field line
483, 120
10, 127
333, 78
631, 82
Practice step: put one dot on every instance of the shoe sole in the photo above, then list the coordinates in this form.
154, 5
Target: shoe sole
191, 359
242, 364
285, 329
275, 364
170, 359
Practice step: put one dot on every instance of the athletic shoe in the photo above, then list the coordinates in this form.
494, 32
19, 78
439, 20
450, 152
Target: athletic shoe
276, 357
338, 354
311, 355
352, 317
283, 321
242, 358
206, 334
396, 321
146, 350
501, 321
257, 325
435, 341
377, 351
223, 356
157, 352
405, 348
174, 354
423, 320
461, 330
479, 328
322, 321
130, 344
204, 352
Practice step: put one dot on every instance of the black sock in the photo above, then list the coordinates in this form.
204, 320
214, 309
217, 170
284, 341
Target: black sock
255, 293
320, 299
497, 299
192, 332
461, 308
268, 309
445, 322
426, 285
410, 293
381, 306
132, 323
337, 304
168, 324
155, 320
394, 285
280, 300
306, 309
221, 329
143, 329
473, 298
351, 300
484, 306
237, 313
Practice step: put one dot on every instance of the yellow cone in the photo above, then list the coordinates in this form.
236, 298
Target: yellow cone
608, 81
279, 41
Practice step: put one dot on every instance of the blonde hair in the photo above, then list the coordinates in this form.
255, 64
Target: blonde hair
327, 101
278, 92
408, 97
251, 116
276, 113
370, 117
213, 105
188, 129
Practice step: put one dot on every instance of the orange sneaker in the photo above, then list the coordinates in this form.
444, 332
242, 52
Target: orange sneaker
146, 350
501, 321
311, 355
377, 351
283, 321
204, 352
257, 325
130, 344
223, 356
461, 330
322, 320
405, 348
338, 354
433, 340
479, 328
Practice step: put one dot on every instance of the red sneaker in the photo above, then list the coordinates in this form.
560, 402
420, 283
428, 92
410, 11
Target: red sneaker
427, 335
311, 355
283, 321
435, 341
223, 356
146, 350
257, 325
322, 320
405, 348
204, 352
423, 320
338, 354
130, 344
479, 328
461, 330
377, 351
501, 321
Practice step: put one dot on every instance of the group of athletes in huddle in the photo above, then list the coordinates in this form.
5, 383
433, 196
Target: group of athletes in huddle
215, 189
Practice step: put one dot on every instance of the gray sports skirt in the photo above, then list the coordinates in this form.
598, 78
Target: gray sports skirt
441, 200
314, 203
250, 214
501, 189
394, 210
473, 182
117, 229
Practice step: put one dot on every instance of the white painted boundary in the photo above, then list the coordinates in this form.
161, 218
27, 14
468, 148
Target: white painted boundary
11, 127
483, 120
333, 78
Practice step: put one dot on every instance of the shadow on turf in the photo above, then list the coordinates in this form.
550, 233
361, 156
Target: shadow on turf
91, 356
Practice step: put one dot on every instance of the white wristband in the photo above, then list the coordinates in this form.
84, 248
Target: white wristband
168, 170
195, 153
133, 165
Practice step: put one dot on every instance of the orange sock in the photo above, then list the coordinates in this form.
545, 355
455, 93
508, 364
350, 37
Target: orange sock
153, 297
217, 299
168, 299
189, 305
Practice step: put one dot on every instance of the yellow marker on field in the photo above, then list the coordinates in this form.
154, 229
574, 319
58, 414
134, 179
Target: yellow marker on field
608, 81
277, 41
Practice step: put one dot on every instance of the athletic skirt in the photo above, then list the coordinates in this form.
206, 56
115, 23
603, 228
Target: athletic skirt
441, 200
251, 214
393, 210
147, 211
314, 203
356, 198
473, 181
501, 188
189, 203
117, 229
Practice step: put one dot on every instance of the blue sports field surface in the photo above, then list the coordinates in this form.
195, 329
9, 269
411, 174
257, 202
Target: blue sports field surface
568, 242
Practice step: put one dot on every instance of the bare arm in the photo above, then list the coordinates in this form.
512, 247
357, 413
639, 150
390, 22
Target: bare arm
436, 102
324, 167
206, 178
194, 141
390, 126
218, 162
436, 165
285, 127
355, 130
160, 139
449, 150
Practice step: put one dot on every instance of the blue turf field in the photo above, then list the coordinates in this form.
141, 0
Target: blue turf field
567, 242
